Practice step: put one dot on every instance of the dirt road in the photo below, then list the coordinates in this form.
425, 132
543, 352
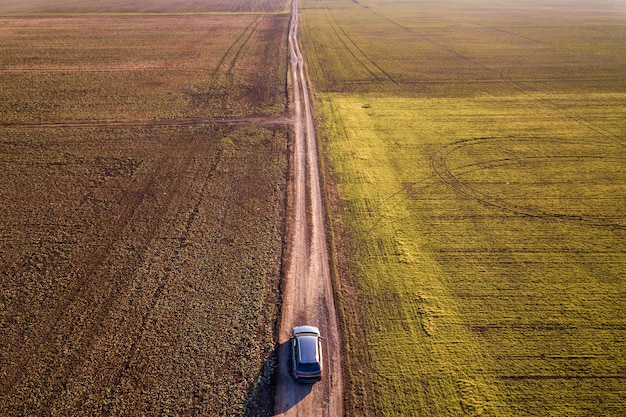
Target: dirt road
308, 296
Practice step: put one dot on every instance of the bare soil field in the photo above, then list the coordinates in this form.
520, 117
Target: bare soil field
143, 6
142, 209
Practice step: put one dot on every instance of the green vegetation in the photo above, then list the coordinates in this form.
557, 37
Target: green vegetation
479, 152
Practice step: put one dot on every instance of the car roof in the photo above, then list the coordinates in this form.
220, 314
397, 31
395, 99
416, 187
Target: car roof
306, 329
308, 349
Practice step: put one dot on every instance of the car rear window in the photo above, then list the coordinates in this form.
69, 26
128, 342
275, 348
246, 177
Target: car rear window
309, 367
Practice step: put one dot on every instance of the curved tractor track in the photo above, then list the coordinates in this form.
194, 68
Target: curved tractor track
308, 296
442, 164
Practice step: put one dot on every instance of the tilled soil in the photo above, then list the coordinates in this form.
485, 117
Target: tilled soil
139, 269
144, 160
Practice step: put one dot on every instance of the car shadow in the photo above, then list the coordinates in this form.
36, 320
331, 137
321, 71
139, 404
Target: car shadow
288, 392
259, 400
275, 374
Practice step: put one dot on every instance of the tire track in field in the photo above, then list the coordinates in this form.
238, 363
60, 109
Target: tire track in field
234, 51
505, 75
100, 70
365, 58
162, 284
438, 45
439, 165
80, 292
100, 312
83, 320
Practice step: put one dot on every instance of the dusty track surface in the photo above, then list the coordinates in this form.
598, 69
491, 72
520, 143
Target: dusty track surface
308, 295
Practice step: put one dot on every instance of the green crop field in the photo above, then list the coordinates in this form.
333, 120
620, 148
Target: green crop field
479, 153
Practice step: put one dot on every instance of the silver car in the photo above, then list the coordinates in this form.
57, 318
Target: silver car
306, 354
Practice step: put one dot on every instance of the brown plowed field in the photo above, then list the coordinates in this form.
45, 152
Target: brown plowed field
142, 207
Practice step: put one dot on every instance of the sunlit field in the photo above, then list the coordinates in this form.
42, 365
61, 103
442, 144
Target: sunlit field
478, 150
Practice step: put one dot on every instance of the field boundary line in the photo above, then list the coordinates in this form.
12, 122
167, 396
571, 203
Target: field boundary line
104, 123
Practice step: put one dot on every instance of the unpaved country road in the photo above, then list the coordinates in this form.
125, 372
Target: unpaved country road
308, 295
